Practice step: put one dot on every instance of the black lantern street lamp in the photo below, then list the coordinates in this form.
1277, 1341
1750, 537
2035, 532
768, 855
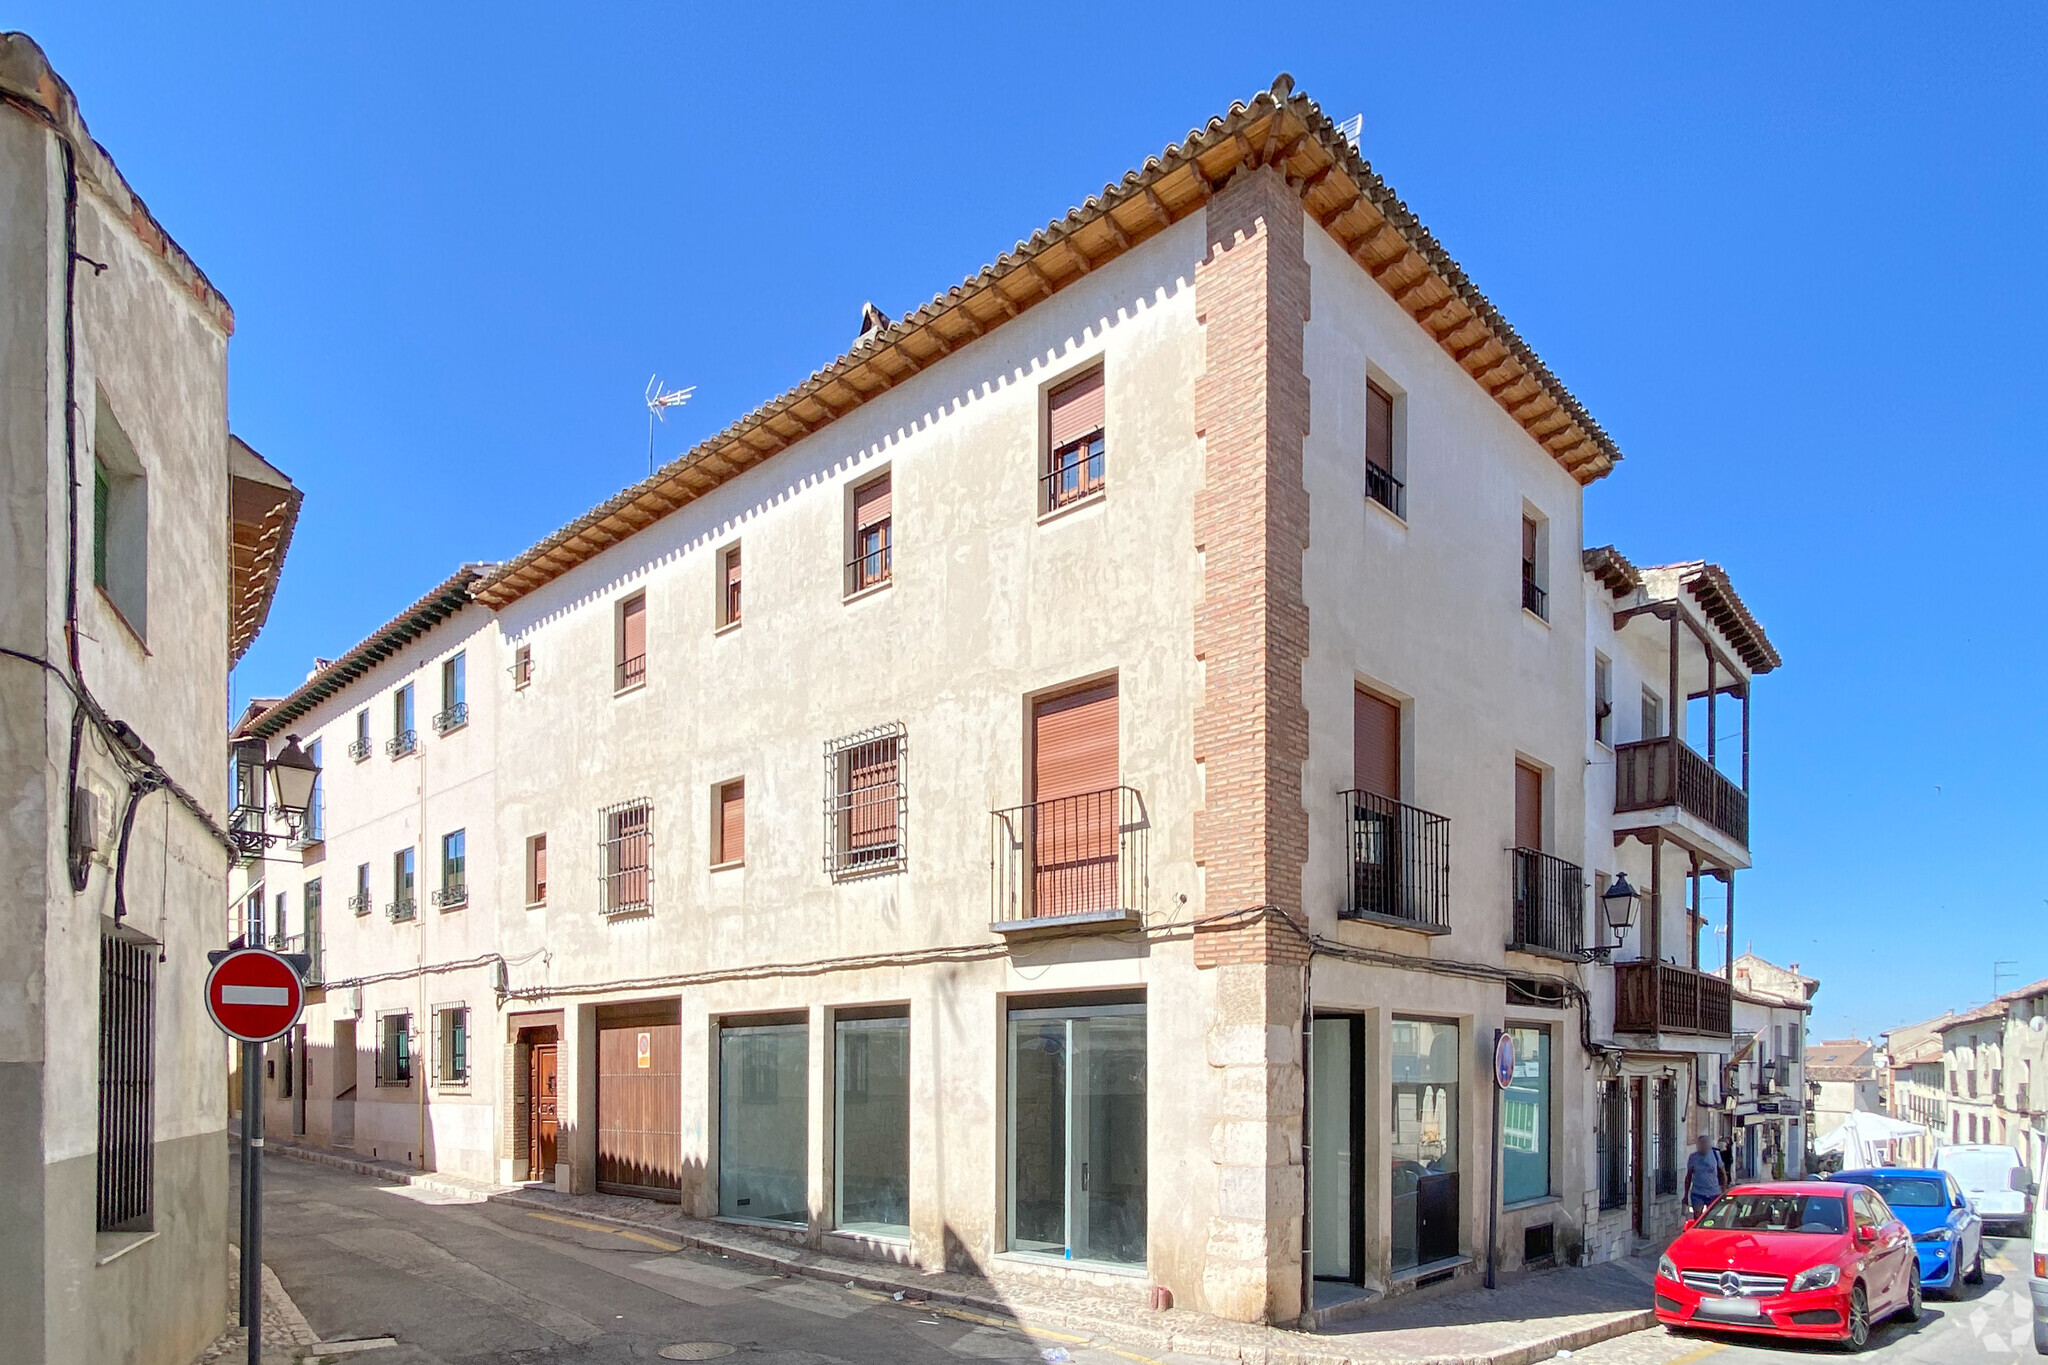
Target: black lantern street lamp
1618, 908
292, 775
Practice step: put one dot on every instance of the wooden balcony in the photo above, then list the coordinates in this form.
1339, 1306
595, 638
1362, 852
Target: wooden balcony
1659, 997
1650, 774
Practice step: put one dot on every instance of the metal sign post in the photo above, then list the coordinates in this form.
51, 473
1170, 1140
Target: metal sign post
1503, 1077
254, 995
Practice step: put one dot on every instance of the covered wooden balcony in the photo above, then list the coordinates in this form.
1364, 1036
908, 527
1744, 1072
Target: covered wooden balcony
1650, 774
1662, 997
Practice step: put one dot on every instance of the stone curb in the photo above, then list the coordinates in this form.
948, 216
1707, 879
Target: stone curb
1278, 1346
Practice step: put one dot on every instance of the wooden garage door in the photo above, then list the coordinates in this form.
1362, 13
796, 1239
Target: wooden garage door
640, 1104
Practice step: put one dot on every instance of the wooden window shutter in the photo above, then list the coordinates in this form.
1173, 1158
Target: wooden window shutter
1376, 745
1075, 409
1528, 541
1074, 743
1528, 807
871, 504
536, 869
732, 822
1379, 427
732, 585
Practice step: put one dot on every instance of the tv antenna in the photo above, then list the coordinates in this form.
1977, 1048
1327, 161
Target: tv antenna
658, 404
1999, 971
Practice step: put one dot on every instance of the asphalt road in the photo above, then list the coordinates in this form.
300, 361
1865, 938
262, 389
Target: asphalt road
455, 1281
1990, 1322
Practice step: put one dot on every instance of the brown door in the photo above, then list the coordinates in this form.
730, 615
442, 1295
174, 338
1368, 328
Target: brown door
640, 1104
543, 1121
1076, 810
1528, 807
1638, 1155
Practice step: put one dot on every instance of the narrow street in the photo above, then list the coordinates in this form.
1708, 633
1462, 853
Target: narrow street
454, 1281
1992, 1321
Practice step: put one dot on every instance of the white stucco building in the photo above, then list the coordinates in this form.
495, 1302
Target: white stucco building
1072, 789
139, 553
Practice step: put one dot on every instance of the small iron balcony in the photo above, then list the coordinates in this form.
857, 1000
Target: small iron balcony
1398, 865
1070, 860
454, 718
359, 749
1534, 598
401, 909
402, 743
627, 673
1386, 490
1550, 902
868, 570
447, 897
361, 903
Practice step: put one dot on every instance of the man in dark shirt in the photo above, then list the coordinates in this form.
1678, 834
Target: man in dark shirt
1703, 1174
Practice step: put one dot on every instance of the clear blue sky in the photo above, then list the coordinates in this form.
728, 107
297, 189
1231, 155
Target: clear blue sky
1791, 261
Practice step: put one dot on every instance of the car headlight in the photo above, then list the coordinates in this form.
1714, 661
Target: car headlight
1815, 1277
1937, 1235
1667, 1268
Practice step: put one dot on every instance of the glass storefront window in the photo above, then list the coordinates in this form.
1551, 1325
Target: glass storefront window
1423, 1110
763, 1122
871, 1126
1334, 1136
1077, 1132
1525, 1120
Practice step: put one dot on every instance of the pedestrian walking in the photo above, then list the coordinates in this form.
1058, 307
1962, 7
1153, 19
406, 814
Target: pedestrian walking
1703, 1175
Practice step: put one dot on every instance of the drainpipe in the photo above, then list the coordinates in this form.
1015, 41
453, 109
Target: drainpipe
1308, 1249
426, 1031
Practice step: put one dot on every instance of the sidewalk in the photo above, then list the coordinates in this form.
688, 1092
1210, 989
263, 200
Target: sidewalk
286, 1333
1527, 1321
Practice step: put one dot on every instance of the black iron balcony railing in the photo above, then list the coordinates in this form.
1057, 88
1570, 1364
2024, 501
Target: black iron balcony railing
401, 909
870, 569
1398, 862
453, 894
1662, 997
629, 672
1652, 773
307, 943
454, 718
1550, 902
361, 903
1386, 490
359, 749
1070, 856
402, 743
1534, 598
312, 829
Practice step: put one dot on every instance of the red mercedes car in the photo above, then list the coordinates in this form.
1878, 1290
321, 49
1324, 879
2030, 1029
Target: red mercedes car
1794, 1258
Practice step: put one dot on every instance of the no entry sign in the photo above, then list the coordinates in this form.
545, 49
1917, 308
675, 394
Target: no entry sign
254, 995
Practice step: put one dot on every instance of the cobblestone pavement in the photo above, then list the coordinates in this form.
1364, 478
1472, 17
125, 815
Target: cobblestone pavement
1990, 1322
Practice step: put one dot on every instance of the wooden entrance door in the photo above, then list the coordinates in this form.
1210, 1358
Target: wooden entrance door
1638, 1156
543, 1120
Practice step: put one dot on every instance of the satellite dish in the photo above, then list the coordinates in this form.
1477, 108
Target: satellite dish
2039, 1023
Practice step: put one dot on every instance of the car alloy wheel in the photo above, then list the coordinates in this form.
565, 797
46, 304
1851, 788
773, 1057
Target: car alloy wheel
1975, 1274
1912, 1309
1859, 1320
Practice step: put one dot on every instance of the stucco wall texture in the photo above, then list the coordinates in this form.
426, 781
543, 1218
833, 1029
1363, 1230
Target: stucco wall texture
152, 356
1237, 583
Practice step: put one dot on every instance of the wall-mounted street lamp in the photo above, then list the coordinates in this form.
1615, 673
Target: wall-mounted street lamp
289, 779
1618, 909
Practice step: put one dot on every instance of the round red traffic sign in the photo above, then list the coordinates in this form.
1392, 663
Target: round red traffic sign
254, 995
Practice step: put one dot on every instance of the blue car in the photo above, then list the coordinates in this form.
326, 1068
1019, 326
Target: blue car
1947, 1233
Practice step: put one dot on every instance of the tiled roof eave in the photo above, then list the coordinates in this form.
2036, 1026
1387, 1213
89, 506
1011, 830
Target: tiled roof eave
1276, 129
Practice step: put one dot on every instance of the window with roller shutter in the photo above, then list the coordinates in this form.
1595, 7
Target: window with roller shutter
731, 847
1376, 744
865, 800
729, 587
1075, 446
1528, 807
1075, 802
1382, 484
873, 536
629, 667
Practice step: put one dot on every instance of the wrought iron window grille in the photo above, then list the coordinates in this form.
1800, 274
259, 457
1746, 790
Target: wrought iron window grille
361, 903
451, 895
625, 858
454, 718
402, 743
401, 910
866, 801
359, 749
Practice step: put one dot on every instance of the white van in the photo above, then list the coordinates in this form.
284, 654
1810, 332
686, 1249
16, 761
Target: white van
1998, 1183
2038, 1285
